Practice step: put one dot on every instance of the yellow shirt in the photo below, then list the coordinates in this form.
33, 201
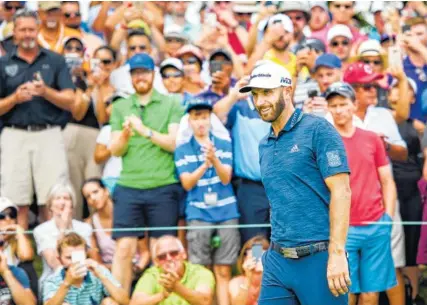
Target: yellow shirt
291, 65
56, 44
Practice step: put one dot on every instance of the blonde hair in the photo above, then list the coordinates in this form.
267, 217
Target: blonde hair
60, 188
259, 239
70, 240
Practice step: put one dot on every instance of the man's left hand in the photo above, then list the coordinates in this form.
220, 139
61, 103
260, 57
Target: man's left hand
39, 88
338, 274
136, 123
168, 280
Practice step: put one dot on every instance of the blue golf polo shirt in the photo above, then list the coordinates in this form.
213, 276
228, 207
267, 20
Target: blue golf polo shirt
294, 167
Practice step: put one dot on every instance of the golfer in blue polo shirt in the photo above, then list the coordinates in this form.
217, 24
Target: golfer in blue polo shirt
306, 177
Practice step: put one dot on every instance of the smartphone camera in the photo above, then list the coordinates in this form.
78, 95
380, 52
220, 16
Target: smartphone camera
257, 251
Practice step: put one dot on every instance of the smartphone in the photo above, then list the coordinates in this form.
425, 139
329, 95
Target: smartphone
313, 93
95, 65
73, 61
257, 251
215, 66
38, 76
78, 256
394, 57
406, 28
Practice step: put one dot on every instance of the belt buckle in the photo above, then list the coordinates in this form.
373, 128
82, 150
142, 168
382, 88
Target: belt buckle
289, 253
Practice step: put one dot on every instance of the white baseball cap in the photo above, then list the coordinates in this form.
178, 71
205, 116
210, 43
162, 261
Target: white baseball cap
339, 30
6, 203
283, 19
268, 75
369, 47
172, 62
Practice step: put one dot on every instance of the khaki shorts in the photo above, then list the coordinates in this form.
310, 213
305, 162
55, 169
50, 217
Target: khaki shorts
398, 241
32, 161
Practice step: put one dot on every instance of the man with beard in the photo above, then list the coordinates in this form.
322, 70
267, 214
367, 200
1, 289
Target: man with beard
275, 45
306, 177
36, 93
144, 128
53, 33
72, 18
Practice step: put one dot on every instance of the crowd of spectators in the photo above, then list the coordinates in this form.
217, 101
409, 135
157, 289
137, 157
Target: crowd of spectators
117, 128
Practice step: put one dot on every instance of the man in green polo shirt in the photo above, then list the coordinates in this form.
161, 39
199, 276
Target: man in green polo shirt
173, 280
144, 128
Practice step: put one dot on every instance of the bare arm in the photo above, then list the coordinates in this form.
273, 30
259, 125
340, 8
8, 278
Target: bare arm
236, 293
59, 297
102, 154
403, 105
164, 141
99, 23
189, 180
258, 54
119, 35
119, 143
388, 189
7, 103
397, 152
80, 106
339, 211
118, 294
24, 249
202, 295
141, 298
224, 171
51, 257
63, 99
20, 295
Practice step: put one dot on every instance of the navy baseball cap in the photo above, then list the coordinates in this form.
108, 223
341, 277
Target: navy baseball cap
328, 60
198, 103
141, 61
342, 89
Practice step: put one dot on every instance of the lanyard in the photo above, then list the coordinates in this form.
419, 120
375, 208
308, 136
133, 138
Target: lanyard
58, 44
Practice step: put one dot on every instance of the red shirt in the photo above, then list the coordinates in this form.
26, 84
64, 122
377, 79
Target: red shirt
366, 153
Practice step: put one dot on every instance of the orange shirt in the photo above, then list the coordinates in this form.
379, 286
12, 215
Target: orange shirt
56, 44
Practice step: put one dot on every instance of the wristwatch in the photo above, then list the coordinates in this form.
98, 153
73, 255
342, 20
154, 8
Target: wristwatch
149, 134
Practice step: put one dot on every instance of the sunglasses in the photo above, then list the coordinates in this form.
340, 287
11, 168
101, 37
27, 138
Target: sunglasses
176, 40
12, 7
172, 75
346, 6
171, 254
375, 62
12, 214
296, 18
366, 87
343, 43
190, 61
106, 61
70, 15
134, 48
71, 48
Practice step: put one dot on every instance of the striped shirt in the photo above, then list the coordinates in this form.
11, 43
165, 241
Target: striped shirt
91, 292
188, 157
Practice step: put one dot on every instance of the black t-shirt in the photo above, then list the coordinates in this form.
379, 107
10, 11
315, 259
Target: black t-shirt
15, 71
89, 120
407, 173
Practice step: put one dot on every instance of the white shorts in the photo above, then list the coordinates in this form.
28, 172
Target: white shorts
398, 240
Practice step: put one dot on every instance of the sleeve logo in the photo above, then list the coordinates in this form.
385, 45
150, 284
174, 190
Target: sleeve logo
334, 159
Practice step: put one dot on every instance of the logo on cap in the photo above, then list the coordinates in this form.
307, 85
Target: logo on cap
260, 75
285, 80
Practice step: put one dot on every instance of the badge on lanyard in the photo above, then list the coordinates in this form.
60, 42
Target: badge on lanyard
211, 198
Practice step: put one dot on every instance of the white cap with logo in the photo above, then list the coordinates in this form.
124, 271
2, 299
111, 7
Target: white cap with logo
6, 203
268, 75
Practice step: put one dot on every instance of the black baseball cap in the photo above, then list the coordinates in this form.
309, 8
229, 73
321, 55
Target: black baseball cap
340, 88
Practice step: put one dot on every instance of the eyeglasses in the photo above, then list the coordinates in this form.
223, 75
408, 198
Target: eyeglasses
346, 6
12, 214
176, 40
70, 15
171, 254
134, 48
189, 61
12, 7
375, 62
172, 75
343, 43
366, 87
106, 61
72, 48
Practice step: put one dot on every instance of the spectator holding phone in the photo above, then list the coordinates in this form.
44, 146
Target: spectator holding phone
245, 288
14, 243
210, 198
172, 280
192, 59
81, 280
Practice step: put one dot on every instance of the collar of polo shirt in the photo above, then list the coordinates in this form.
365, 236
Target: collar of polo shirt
293, 121
155, 98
